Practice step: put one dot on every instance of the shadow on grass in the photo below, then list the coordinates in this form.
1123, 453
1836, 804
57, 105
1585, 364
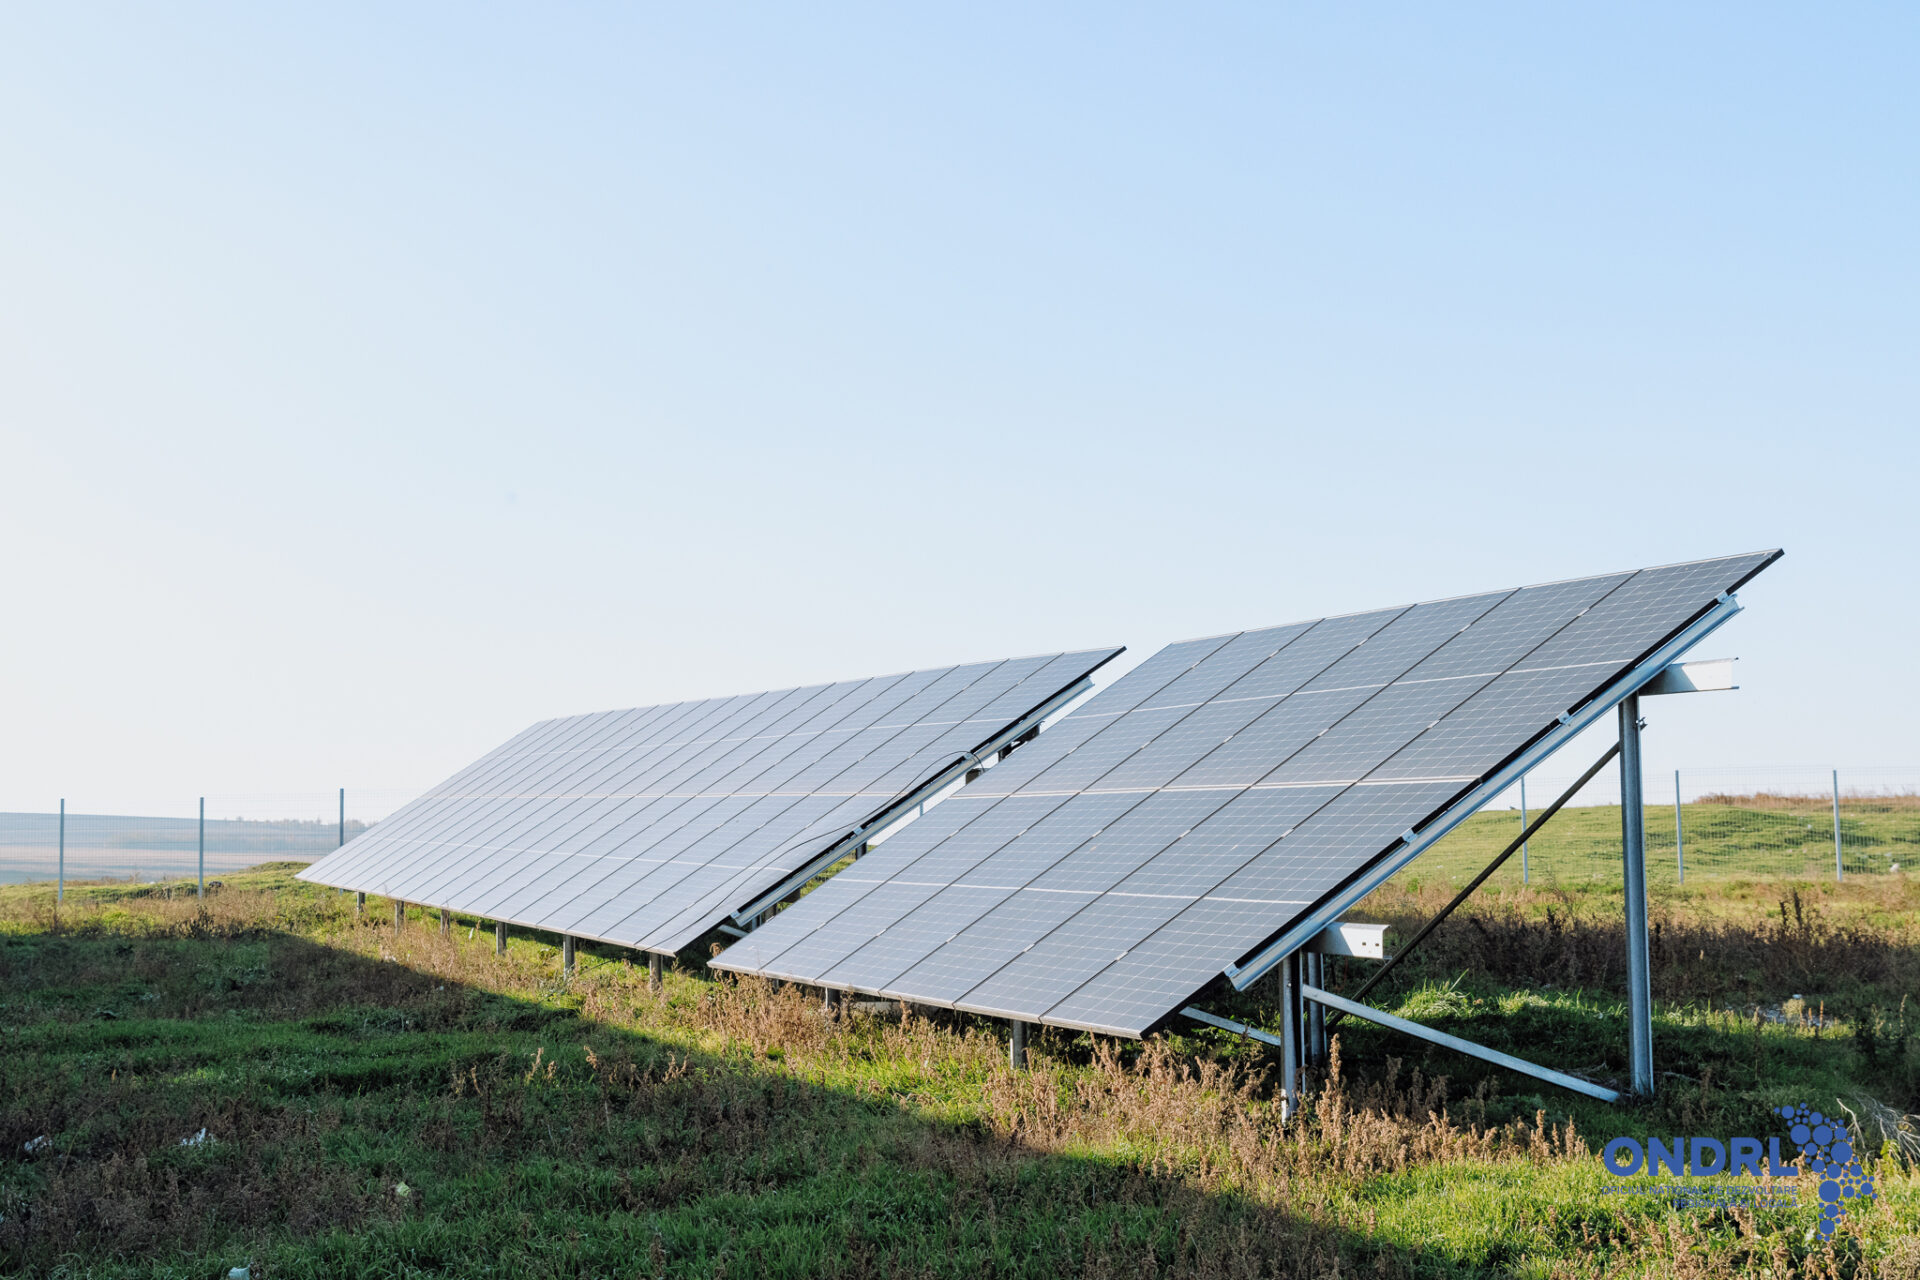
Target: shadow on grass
180, 1105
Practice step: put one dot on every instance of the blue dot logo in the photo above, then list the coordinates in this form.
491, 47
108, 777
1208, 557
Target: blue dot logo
1825, 1145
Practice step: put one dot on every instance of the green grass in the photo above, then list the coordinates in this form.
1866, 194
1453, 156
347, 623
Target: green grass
545, 1127
1763, 836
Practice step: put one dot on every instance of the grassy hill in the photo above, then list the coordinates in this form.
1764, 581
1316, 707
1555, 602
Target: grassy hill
382, 1104
1767, 836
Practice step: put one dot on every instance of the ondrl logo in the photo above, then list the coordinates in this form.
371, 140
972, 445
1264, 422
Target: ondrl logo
1823, 1142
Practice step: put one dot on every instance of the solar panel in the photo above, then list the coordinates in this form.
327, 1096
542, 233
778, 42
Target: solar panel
1217, 794
647, 827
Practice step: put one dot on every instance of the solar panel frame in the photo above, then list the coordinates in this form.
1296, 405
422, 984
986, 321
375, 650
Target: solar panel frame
1347, 703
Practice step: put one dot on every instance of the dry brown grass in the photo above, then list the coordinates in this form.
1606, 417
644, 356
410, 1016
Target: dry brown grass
1765, 945
1851, 801
745, 1089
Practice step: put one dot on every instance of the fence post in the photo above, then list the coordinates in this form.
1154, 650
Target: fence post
1837, 873
60, 891
203, 848
1679, 840
1523, 827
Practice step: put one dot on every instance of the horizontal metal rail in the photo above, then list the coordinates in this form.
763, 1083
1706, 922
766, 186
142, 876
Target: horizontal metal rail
1458, 1045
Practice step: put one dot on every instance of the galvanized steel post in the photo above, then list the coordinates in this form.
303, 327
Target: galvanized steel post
566, 954
1633, 841
1837, 872
1316, 1015
1017, 1045
399, 914
1290, 1036
657, 971
499, 937
446, 923
360, 903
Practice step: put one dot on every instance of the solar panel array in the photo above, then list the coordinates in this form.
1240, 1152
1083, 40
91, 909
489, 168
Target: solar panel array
1191, 811
647, 827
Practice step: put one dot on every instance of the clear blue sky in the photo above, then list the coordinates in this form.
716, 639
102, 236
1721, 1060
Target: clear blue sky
375, 381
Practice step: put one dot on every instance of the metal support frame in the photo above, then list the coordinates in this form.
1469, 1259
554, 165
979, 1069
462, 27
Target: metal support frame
1301, 973
1345, 938
1017, 1045
656, 970
1267, 1038
830, 1000
499, 937
399, 914
446, 923
1702, 675
566, 954
1314, 975
1633, 844
360, 903
1301, 967
749, 916
1414, 843
1316, 996
1287, 1045
1290, 1035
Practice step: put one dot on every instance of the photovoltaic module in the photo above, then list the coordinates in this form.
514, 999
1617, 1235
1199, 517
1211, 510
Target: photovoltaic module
648, 827
1190, 813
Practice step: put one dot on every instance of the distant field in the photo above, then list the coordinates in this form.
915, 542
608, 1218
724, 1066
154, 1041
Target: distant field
382, 1105
148, 848
1765, 836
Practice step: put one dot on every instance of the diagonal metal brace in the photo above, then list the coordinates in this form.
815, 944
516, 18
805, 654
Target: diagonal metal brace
1525, 835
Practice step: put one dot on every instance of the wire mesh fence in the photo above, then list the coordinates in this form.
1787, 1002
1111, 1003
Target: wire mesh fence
221, 833
1761, 822
1701, 823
